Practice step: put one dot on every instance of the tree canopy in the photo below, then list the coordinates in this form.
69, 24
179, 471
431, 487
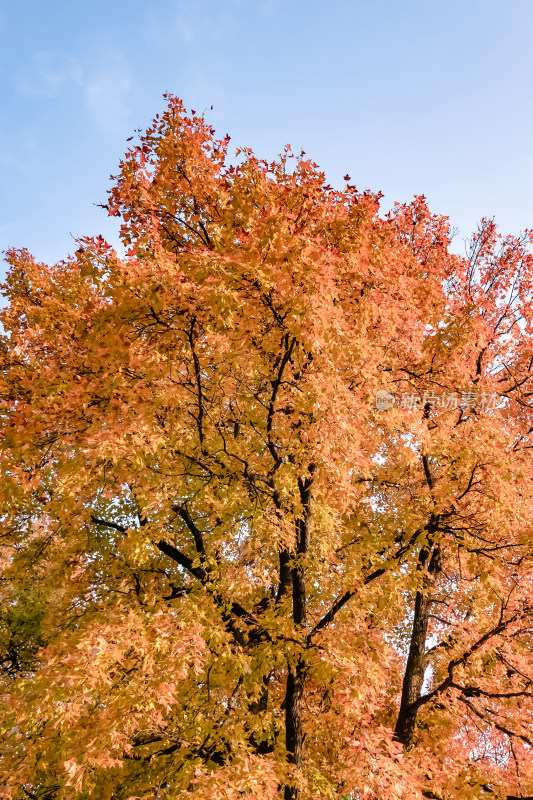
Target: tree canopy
266, 494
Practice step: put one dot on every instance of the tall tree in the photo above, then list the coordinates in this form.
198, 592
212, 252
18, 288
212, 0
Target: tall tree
266, 494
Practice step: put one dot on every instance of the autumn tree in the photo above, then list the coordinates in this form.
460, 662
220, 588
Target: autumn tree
227, 570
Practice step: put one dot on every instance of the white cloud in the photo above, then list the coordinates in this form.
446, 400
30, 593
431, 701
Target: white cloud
48, 74
102, 82
208, 22
270, 7
184, 29
106, 92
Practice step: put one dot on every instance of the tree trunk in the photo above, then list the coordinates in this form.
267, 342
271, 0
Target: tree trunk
416, 660
293, 722
296, 672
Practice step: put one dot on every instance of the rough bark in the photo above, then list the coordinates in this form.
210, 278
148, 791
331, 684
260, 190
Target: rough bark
296, 672
416, 660
293, 722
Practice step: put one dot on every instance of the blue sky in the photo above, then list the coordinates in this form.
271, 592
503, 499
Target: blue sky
411, 97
